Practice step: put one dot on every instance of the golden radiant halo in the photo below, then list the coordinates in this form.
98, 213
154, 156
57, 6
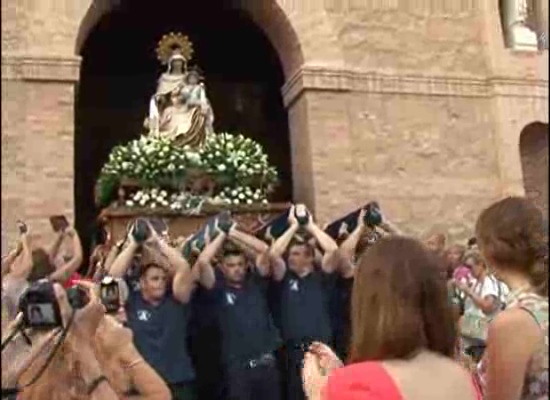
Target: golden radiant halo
173, 41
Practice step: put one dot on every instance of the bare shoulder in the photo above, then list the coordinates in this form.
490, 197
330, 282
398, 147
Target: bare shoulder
507, 324
513, 319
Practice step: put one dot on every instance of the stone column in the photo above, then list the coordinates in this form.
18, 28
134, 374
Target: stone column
37, 139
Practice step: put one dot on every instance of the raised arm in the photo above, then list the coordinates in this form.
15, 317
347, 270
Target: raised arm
176, 262
280, 245
22, 265
327, 244
260, 249
69, 268
124, 260
348, 248
147, 381
105, 266
184, 282
207, 276
389, 227
9, 259
53, 248
116, 341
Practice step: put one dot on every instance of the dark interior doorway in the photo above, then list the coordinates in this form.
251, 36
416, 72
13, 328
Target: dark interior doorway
119, 72
533, 147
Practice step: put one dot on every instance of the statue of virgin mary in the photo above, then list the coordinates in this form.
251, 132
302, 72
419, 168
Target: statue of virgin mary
179, 109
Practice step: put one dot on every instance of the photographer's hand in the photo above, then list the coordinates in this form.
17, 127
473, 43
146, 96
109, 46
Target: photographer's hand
313, 377
328, 360
80, 340
292, 220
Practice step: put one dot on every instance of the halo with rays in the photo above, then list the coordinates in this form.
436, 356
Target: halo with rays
171, 42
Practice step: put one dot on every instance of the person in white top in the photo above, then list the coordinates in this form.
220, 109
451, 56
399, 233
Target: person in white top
484, 298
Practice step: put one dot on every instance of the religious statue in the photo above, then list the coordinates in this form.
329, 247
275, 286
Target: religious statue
179, 109
525, 23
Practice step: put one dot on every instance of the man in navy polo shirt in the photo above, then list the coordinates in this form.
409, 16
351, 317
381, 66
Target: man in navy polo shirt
158, 312
303, 293
248, 335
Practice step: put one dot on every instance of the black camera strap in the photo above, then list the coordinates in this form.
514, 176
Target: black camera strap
64, 333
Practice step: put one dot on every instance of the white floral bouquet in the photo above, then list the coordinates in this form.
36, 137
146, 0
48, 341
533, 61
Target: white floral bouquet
162, 171
147, 160
150, 198
236, 161
241, 196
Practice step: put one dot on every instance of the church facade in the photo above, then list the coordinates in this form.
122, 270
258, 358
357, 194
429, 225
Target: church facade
435, 109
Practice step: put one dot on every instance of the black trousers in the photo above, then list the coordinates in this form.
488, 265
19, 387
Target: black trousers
294, 356
263, 382
183, 391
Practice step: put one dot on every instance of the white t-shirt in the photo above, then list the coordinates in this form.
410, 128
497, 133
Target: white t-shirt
490, 286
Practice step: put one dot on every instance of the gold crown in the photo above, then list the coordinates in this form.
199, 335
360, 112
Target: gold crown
171, 43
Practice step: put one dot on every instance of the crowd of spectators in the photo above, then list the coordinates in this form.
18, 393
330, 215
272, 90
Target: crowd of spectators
370, 315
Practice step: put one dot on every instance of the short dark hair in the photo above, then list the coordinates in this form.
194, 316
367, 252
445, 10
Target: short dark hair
298, 242
143, 270
400, 303
42, 266
232, 252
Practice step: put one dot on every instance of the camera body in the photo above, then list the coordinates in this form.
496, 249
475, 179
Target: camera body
373, 217
77, 297
40, 307
109, 293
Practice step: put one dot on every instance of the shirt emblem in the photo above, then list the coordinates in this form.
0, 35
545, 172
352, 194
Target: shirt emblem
293, 285
143, 315
230, 298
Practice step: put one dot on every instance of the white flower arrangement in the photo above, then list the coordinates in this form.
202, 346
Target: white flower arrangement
150, 198
148, 159
242, 196
237, 161
238, 166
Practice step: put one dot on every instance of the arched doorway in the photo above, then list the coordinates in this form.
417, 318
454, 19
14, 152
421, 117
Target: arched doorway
119, 71
533, 147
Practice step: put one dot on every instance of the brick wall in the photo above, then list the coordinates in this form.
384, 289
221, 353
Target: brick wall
37, 153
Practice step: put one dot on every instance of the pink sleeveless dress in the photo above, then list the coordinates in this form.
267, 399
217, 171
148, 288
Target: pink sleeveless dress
366, 381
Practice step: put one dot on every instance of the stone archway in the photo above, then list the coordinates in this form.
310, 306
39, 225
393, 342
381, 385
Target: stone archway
533, 146
267, 14
98, 108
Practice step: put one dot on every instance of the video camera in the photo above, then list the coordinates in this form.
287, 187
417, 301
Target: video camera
112, 292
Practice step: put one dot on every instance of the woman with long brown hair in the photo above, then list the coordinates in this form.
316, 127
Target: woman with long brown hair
510, 235
403, 333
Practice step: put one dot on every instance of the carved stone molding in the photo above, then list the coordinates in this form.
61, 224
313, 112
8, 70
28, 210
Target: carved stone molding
518, 88
45, 68
327, 79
